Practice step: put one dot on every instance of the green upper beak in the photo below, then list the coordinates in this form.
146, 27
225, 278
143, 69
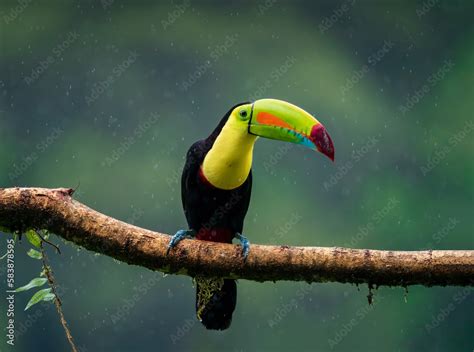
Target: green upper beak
277, 119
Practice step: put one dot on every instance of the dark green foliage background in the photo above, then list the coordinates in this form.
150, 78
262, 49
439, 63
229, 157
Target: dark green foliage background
294, 201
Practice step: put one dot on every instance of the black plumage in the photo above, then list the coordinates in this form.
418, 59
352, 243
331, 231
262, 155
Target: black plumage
214, 215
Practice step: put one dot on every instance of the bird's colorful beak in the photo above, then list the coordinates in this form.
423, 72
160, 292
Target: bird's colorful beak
277, 119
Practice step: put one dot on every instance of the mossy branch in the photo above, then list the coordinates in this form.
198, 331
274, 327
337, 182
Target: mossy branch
56, 211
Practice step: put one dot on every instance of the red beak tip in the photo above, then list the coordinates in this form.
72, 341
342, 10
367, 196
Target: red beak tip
322, 141
328, 154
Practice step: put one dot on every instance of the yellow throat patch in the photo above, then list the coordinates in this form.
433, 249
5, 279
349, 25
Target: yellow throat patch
228, 163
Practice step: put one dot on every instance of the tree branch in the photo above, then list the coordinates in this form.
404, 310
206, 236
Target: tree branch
56, 211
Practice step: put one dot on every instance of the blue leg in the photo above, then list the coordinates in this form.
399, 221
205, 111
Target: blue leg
181, 234
245, 244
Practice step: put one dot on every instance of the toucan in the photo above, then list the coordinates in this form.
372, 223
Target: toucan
217, 182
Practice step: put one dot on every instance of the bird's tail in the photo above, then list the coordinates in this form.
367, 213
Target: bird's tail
215, 302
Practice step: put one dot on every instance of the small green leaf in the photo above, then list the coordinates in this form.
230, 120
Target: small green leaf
35, 254
33, 238
49, 297
42, 295
36, 282
45, 234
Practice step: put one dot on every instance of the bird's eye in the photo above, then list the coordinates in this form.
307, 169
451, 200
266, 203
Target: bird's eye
243, 113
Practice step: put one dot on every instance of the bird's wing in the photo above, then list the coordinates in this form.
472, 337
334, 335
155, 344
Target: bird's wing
194, 158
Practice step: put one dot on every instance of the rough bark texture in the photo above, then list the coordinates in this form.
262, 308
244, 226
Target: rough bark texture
56, 211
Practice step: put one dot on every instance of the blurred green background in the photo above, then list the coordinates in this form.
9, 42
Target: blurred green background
109, 95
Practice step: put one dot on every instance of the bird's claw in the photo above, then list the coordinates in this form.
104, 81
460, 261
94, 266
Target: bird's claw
178, 236
244, 243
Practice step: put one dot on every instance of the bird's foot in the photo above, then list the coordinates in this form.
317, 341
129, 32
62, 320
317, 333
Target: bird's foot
244, 243
181, 234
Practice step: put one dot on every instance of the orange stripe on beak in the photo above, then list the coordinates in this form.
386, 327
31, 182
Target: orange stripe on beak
268, 119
